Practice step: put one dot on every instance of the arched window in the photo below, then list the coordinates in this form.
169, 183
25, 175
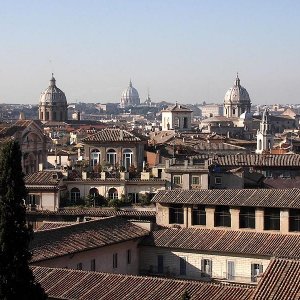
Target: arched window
127, 158
95, 157
111, 156
113, 193
75, 194
94, 192
259, 144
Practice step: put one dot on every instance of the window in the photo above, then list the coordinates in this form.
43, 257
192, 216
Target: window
127, 158
247, 217
113, 193
75, 194
79, 266
128, 256
206, 267
111, 156
256, 269
185, 122
134, 197
195, 180
294, 220
272, 219
198, 215
230, 270
115, 260
176, 214
218, 180
182, 265
94, 192
259, 144
177, 179
93, 265
54, 116
222, 216
95, 157
32, 199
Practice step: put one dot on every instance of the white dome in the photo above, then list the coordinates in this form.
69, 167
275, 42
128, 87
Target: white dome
53, 95
130, 96
237, 94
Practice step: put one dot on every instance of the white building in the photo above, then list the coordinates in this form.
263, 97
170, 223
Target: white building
177, 117
211, 110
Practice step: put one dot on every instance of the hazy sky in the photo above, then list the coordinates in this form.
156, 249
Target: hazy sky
184, 50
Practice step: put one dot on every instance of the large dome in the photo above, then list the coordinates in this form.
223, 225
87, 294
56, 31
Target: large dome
53, 95
130, 96
236, 94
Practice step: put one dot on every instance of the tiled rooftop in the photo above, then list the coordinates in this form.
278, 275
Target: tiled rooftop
43, 178
75, 284
52, 225
111, 135
96, 212
226, 241
258, 160
280, 281
83, 236
280, 198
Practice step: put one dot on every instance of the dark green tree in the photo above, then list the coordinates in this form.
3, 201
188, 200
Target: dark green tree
185, 296
16, 278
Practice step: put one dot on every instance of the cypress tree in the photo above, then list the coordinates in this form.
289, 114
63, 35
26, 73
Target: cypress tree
16, 278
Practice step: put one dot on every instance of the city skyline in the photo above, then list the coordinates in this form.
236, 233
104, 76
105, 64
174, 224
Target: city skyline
187, 52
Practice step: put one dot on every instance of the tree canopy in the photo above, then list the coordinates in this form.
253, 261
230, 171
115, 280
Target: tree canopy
16, 278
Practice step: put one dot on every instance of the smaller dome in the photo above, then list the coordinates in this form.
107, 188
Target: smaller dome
237, 93
53, 95
130, 96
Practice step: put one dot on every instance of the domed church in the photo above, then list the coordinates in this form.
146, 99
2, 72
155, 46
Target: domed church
53, 103
236, 100
130, 97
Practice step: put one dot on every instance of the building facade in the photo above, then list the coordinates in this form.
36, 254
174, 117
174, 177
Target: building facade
177, 117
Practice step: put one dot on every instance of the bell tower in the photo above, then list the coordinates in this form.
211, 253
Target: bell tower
265, 139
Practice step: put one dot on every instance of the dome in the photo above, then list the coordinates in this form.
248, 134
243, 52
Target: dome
53, 95
237, 94
130, 96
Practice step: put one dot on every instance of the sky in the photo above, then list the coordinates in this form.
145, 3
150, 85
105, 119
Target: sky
180, 50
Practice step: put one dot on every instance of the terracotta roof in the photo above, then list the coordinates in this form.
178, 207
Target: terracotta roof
43, 178
75, 284
280, 198
52, 225
281, 281
259, 160
111, 135
83, 236
282, 183
96, 212
226, 241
